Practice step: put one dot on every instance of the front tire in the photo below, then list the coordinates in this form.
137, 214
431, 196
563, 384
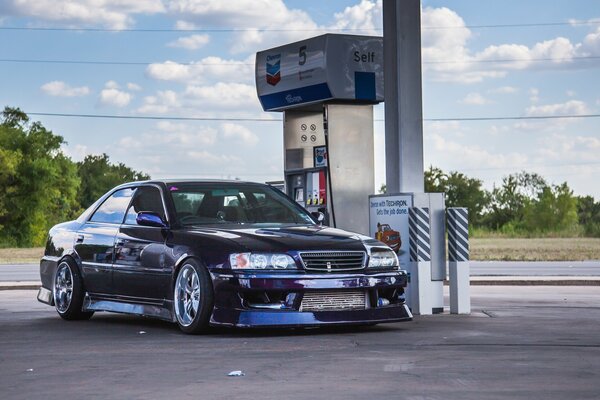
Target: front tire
193, 297
68, 292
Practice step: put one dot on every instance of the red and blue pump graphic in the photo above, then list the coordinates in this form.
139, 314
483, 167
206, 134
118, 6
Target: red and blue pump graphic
273, 69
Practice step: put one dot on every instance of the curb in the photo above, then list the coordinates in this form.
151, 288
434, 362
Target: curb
20, 285
530, 282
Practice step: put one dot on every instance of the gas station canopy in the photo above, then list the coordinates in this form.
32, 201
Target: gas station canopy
319, 69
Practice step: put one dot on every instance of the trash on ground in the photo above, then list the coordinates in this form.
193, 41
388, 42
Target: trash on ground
236, 373
142, 332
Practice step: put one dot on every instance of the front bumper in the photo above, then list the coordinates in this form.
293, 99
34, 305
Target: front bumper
274, 299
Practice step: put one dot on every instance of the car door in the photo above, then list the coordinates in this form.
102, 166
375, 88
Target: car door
139, 271
95, 241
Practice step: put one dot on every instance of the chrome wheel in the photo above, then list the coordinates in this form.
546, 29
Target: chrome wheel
63, 287
187, 295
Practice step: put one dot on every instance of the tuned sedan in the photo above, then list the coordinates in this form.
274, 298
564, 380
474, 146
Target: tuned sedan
207, 253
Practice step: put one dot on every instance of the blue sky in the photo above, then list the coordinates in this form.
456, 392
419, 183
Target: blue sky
460, 80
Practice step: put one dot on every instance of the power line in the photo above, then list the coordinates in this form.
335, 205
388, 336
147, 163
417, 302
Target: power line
503, 60
574, 164
151, 117
175, 118
511, 118
234, 64
322, 29
101, 62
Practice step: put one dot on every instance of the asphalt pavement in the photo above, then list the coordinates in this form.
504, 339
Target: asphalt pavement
519, 343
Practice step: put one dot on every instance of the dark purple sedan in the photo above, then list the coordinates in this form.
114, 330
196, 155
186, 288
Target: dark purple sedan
209, 253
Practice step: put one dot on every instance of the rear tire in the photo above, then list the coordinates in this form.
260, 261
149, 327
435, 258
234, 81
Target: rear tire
193, 297
68, 292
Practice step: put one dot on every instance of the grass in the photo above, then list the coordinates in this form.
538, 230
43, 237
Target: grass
21, 255
535, 249
481, 249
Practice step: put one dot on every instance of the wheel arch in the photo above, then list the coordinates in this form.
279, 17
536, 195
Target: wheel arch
181, 262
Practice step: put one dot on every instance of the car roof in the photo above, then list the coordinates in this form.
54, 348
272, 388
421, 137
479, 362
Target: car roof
180, 181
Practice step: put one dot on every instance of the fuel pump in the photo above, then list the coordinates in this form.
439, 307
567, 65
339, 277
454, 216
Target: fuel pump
326, 87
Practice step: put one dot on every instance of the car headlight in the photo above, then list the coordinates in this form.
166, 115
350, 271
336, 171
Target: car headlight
383, 259
261, 261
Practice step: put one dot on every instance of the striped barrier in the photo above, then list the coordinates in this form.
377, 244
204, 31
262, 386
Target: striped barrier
458, 257
458, 234
419, 234
419, 290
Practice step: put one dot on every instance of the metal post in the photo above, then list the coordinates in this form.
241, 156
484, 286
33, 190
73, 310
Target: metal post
403, 96
420, 261
458, 257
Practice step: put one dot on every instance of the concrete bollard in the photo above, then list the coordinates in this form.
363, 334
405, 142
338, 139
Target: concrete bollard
458, 257
421, 301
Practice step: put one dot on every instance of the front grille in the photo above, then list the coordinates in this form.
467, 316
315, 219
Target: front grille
334, 300
333, 260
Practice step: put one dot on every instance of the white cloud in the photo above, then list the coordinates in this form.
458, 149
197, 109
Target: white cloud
192, 42
367, 16
239, 132
534, 95
209, 69
246, 14
223, 95
163, 102
76, 152
474, 99
472, 156
504, 90
185, 25
134, 87
208, 158
447, 57
176, 136
226, 99
62, 89
111, 95
571, 107
114, 14
591, 43
111, 85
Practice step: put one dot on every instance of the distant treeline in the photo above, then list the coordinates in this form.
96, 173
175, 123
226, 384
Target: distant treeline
523, 205
40, 186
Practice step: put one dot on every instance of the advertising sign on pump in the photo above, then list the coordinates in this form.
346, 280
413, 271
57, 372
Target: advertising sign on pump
326, 67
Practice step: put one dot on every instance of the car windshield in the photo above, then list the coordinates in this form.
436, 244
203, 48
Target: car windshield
221, 203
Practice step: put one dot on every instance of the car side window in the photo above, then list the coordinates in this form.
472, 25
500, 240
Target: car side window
113, 209
147, 198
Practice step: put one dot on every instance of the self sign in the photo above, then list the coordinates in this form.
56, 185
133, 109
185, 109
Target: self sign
368, 57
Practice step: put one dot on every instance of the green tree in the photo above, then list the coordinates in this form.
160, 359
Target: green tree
509, 201
588, 213
39, 182
460, 190
555, 209
98, 175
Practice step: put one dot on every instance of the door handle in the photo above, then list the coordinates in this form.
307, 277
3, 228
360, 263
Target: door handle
79, 239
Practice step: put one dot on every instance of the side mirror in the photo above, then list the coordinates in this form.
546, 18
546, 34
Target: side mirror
148, 218
319, 216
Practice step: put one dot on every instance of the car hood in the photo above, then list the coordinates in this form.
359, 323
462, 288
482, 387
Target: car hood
288, 238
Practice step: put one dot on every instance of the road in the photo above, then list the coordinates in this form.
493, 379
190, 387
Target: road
535, 268
30, 272
519, 343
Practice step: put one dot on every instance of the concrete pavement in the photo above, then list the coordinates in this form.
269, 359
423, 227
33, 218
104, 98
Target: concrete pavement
519, 343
